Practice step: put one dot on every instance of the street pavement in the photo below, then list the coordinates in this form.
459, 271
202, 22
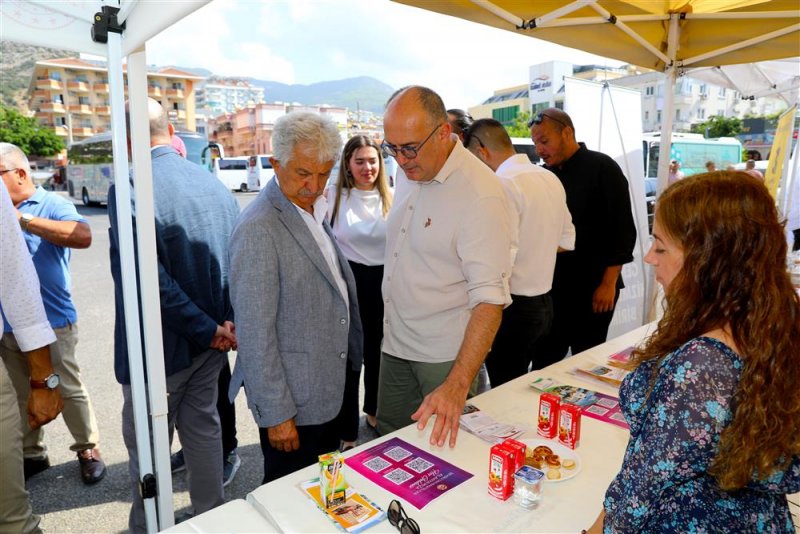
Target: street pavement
64, 503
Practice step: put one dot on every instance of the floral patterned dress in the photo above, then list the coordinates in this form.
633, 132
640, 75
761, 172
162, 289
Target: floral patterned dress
664, 485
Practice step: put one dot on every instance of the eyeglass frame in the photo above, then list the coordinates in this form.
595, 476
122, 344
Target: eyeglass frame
401, 518
395, 150
4, 171
541, 116
468, 137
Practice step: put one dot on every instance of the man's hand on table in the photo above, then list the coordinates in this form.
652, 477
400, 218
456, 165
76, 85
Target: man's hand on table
284, 436
447, 403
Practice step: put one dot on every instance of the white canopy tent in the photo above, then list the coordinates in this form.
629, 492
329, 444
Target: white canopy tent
115, 29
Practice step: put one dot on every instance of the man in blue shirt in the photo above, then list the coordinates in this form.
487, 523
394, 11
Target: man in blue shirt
51, 226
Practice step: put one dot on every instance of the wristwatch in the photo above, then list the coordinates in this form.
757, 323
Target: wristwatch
24, 220
51, 382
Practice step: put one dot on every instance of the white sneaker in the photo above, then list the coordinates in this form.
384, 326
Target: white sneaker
230, 466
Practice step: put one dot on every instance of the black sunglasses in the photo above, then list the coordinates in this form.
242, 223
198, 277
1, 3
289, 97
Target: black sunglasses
541, 117
399, 519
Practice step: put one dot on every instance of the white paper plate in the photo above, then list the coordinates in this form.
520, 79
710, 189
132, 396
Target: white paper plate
563, 452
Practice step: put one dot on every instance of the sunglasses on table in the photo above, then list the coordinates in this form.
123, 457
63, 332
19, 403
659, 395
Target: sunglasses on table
540, 117
398, 518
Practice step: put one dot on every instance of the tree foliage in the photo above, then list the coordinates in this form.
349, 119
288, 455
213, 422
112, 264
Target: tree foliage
719, 126
520, 126
32, 139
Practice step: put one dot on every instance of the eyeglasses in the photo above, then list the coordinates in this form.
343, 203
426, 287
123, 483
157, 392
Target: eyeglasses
399, 519
2, 172
541, 117
408, 151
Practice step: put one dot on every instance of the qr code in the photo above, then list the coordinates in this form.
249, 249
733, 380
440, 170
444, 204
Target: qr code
397, 454
597, 410
398, 476
419, 465
608, 403
376, 464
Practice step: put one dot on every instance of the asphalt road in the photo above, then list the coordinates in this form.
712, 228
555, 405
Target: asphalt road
64, 503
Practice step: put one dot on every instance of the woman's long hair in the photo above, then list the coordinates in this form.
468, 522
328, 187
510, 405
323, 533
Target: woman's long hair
346, 180
734, 275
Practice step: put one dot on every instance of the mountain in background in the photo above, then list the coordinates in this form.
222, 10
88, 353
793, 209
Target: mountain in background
363, 92
16, 68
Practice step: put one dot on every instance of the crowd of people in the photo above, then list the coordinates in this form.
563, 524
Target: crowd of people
475, 257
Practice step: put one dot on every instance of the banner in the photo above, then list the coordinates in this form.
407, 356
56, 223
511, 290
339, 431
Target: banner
780, 150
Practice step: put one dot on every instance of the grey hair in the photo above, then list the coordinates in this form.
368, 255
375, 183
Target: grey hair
15, 153
317, 132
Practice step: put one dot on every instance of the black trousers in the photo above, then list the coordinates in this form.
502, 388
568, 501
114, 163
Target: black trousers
314, 440
226, 410
575, 325
524, 322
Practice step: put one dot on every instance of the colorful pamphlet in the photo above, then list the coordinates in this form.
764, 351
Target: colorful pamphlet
485, 427
412, 474
355, 514
593, 404
609, 375
621, 359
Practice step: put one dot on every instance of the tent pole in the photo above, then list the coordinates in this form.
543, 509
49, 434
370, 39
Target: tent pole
149, 289
129, 281
743, 44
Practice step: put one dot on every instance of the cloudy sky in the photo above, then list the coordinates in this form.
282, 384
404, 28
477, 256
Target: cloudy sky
307, 41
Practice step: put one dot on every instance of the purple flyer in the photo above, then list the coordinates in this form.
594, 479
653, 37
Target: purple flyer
408, 472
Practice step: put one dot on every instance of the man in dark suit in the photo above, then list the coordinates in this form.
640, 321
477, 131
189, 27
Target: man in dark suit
298, 325
194, 218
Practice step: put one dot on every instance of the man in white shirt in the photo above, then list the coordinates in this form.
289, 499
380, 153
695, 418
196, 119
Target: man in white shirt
21, 299
446, 272
294, 296
541, 226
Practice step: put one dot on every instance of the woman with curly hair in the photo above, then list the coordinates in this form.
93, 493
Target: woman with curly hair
357, 207
713, 401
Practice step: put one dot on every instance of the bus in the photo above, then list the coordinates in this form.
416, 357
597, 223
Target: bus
692, 151
90, 169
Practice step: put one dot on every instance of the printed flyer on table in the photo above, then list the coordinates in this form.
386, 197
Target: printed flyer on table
408, 472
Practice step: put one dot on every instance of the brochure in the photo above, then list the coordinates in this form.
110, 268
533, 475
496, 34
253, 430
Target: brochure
408, 472
609, 375
593, 404
621, 359
485, 427
354, 515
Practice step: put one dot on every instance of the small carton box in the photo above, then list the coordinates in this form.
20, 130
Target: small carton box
501, 472
569, 425
549, 405
518, 448
332, 486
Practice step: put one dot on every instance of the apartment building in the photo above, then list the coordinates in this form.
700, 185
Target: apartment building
219, 95
248, 131
71, 96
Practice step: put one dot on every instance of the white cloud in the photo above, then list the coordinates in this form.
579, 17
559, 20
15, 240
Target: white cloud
306, 41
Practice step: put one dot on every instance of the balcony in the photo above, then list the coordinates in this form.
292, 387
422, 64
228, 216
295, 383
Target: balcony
154, 90
175, 93
82, 131
52, 107
60, 130
47, 83
78, 86
40, 93
81, 109
102, 110
100, 87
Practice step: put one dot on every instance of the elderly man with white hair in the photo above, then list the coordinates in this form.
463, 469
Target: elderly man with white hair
294, 294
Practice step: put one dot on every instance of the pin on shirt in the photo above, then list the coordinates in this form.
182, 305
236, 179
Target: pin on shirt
428, 222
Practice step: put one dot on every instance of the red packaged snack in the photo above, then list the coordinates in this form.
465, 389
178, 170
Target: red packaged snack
549, 404
501, 472
518, 448
569, 425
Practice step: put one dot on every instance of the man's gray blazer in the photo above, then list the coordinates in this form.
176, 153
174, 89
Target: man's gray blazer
294, 336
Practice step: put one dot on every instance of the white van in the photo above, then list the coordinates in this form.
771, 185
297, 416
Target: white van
232, 172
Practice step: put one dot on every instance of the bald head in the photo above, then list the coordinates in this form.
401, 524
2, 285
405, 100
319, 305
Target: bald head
489, 141
429, 103
160, 128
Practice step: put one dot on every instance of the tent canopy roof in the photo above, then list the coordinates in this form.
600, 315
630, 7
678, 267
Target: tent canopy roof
639, 31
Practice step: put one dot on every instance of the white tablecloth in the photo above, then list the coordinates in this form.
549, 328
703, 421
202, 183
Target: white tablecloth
567, 506
233, 516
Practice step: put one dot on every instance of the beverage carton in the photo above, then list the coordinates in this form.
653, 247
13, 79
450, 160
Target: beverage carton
518, 448
501, 472
569, 425
547, 426
332, 486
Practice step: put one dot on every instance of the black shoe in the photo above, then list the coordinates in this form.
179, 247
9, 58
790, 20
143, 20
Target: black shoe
93, 468
177, 462
34, 466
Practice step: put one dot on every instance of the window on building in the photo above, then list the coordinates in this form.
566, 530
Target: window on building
175, 106
658, 116
83, 100
703, 89
647, 115
649, 90
701, 113
505, 115
677, 114
721, 91
55, 76
61, 121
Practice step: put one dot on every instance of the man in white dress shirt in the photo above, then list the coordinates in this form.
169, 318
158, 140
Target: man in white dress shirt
22, 302
541, 226
448, 256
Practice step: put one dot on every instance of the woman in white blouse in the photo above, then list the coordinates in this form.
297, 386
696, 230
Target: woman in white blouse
357, 209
